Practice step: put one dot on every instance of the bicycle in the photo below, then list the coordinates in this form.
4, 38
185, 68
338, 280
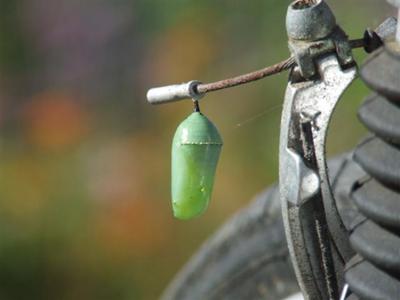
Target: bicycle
338, 234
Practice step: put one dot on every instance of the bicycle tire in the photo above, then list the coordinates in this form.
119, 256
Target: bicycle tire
247, 258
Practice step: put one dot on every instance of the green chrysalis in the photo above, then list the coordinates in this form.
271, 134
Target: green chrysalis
195, 152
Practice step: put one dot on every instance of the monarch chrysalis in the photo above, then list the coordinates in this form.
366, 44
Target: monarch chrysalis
195, 152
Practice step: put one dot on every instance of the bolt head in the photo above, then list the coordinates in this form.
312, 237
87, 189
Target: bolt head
309, 22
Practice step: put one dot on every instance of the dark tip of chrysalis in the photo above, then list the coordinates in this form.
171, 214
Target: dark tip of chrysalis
196, 107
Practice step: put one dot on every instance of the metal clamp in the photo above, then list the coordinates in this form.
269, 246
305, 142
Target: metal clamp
313, 32
170, 93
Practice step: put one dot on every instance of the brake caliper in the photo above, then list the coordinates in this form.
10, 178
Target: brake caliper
325, 68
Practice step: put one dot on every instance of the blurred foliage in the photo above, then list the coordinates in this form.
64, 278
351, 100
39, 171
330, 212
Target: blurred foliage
84, 160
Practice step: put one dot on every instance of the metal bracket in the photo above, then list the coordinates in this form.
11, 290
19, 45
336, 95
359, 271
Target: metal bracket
313, 32
313, 227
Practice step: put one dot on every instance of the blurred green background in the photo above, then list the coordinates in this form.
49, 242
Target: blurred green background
85, 161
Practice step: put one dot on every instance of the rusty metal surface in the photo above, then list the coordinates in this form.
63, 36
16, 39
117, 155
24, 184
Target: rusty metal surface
253, 76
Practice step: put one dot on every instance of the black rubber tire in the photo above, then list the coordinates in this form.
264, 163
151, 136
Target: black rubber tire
247, 258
